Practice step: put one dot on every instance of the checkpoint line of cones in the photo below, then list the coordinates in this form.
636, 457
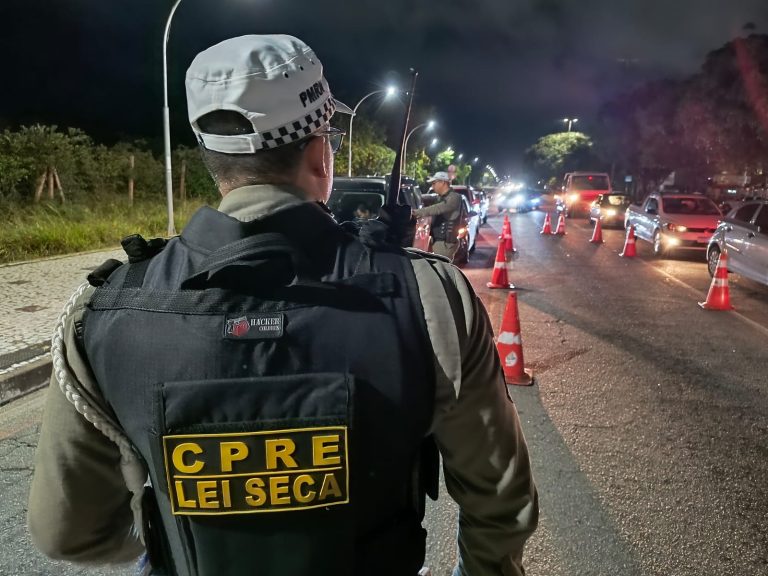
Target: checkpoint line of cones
509, 343
718, 296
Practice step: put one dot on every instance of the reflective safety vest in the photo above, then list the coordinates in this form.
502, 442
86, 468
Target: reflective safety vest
277, 379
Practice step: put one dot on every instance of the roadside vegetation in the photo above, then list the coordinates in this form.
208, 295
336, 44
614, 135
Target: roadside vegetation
49, 228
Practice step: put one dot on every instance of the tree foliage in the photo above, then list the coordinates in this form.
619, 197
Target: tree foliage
554, 154
714, 121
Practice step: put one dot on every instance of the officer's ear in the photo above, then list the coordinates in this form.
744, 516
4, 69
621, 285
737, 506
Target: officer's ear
317, 158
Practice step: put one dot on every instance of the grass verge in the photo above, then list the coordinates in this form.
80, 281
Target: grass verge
29, 232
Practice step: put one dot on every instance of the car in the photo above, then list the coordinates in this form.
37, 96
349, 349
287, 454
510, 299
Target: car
609, 209
473, 204
347, 194
485, 202
672, 222
519, 200
744, 234
579, 190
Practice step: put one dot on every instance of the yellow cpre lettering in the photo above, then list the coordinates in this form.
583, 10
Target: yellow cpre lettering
322, 446
178, 458
255, 487
232, 452
225, 494
206, 492
301, 480
181, 498
330, 487
278, 490
280, 449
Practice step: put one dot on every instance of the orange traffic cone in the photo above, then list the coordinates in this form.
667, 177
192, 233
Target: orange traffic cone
510, 346
597, 235
560, 225
718, 297
547, 228
629, 244
499, 275
506, 235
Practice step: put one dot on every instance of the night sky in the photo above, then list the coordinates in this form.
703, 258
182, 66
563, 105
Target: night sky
497, 74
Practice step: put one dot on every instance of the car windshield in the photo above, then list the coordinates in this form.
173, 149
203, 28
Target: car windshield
700, 206
616, 200
589, 183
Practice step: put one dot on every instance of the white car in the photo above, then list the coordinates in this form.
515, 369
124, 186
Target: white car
744, 234
672, 222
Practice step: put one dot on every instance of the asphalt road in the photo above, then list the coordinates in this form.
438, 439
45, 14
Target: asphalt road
647, 424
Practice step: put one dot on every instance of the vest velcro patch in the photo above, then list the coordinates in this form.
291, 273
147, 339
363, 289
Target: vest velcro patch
246, 473
253, 326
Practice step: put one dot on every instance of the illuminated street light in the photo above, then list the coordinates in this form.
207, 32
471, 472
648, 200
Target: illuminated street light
390, 91
434, 142
167, 125
570, 122
429, 126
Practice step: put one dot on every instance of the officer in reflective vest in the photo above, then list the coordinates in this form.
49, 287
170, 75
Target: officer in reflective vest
266, 392
445, 215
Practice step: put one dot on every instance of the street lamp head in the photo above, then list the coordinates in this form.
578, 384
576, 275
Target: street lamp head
430, 124
475, 160
460, 156
435, 141
391, 91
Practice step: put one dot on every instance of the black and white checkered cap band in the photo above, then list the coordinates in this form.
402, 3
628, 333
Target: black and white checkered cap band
273, 138
300, 128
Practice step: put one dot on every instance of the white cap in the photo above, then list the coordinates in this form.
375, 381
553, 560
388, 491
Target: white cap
440, 176
275, 81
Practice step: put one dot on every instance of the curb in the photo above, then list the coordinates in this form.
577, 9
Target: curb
24, 380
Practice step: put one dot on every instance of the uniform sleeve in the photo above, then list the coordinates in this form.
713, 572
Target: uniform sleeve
79, 505
452, 204
485, 457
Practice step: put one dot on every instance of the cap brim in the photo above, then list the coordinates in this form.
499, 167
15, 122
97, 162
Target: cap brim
343, 108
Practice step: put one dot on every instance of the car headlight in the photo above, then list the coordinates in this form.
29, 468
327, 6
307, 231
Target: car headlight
610, 212
573, 197
676, 228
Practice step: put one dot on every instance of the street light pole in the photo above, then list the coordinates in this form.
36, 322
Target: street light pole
570, 122
389, 92
167, 125
429, 126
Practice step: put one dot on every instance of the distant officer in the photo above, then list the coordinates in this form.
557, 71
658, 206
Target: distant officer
446, 213
264, 393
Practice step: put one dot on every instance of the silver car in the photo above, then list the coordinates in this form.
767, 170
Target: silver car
744, 233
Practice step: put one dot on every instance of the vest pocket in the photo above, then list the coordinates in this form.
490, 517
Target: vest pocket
249, 463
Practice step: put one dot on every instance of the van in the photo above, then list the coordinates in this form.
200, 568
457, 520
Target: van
580, 189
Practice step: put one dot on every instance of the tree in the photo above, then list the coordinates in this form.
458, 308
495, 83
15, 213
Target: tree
556, 154
370, 155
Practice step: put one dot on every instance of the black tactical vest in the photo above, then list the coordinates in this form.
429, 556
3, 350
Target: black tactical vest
444, 228
276, 377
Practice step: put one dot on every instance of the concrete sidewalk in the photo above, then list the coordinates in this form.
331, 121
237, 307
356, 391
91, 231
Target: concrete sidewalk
34, 294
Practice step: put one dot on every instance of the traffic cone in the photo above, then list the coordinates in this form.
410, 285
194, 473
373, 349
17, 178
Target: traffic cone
597, 235
510, 346
629, 244
506, 235
547, 229
499, 275
560, 225
718, 297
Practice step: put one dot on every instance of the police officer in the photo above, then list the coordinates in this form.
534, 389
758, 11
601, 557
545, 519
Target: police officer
445, 215
264, 393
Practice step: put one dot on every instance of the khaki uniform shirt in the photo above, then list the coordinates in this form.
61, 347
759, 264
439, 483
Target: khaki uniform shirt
80, 502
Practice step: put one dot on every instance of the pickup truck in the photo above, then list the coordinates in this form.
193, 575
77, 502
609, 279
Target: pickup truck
672, 222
